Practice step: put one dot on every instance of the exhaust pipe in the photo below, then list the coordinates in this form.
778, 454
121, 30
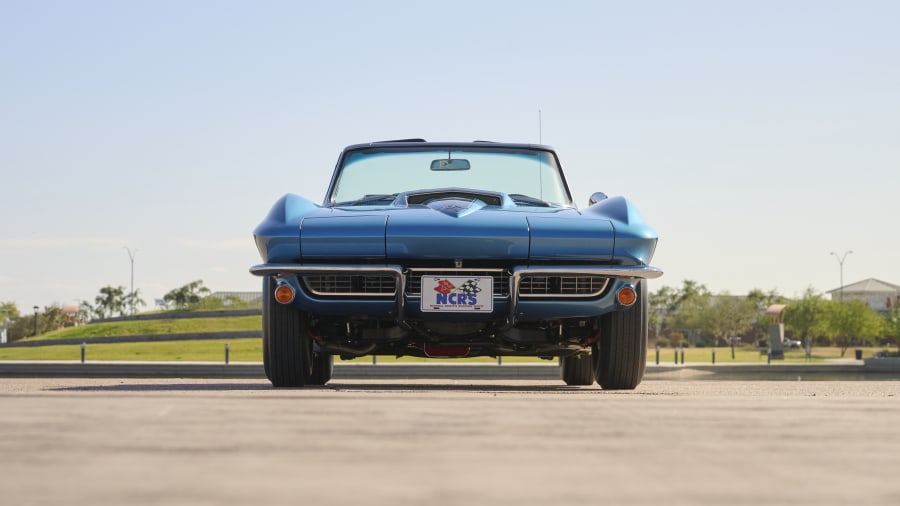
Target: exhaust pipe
347, 351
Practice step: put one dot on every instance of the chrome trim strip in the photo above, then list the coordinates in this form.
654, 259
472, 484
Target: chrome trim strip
611, 271
278, 269
306, 284
350, 294
564, 295
455, 269
391, 270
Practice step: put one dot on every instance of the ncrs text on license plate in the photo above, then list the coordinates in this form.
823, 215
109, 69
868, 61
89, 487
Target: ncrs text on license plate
457, 293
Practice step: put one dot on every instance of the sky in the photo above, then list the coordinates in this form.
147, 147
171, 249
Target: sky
756, 137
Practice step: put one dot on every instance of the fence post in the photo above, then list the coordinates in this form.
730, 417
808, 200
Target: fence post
227, 353
682, 354
83, 344
657, 354
714, 355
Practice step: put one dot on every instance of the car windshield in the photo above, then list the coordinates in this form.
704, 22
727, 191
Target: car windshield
374, 176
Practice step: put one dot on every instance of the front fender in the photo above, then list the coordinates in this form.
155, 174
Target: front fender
278, 235
635, 239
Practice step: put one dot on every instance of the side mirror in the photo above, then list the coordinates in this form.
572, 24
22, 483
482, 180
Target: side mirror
596, 197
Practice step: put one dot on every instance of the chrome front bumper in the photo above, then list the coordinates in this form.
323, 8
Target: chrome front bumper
399, 274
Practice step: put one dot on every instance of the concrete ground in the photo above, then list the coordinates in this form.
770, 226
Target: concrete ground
447, 442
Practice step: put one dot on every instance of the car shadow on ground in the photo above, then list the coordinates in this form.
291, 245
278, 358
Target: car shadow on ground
341, 387
167, 387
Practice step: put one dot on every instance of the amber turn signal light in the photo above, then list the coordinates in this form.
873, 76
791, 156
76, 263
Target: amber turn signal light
284, 294
627, 296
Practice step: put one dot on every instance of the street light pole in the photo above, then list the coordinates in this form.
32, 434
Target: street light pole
35, 319
131, 255
840, 260
5, 325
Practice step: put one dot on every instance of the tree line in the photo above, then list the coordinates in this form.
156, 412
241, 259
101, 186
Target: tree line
691, 315
111, 301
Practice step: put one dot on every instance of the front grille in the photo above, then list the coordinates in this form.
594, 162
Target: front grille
582, 286
364, 285
501, 279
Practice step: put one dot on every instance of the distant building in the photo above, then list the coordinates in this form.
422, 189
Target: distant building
879, 295
70, 315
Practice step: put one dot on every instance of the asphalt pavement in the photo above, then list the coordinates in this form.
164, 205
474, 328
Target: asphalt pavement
447, 442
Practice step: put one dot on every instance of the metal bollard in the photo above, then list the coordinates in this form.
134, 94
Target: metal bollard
657, 354
82, 351
714, 356
769, 356
500, 360
682, 355
676, 356
227, 353
374, 359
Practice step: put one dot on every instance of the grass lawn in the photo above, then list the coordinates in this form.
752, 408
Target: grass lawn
241, 350
174, 326
250, 350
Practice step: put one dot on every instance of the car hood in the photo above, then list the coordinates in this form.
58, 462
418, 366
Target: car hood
455, 228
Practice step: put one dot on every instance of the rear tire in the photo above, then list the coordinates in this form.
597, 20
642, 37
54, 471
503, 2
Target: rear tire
322, 369
620, 356
577, 370
287, 348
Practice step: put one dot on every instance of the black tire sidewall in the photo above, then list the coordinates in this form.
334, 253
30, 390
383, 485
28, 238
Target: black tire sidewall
620, 356
577, 370
287, 347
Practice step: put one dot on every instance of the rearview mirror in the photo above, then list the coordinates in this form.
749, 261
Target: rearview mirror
450, 164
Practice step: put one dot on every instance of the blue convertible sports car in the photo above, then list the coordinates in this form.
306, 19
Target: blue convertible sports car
459, 249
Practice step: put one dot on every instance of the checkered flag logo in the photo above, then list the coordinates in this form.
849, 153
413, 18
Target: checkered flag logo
470, 286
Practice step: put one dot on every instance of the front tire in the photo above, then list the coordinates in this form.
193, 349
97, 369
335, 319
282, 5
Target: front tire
287, 348
620, 356
577, 370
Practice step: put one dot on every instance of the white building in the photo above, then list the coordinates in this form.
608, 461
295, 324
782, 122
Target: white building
879, 295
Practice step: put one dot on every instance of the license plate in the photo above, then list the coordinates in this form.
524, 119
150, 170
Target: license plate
457, 294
